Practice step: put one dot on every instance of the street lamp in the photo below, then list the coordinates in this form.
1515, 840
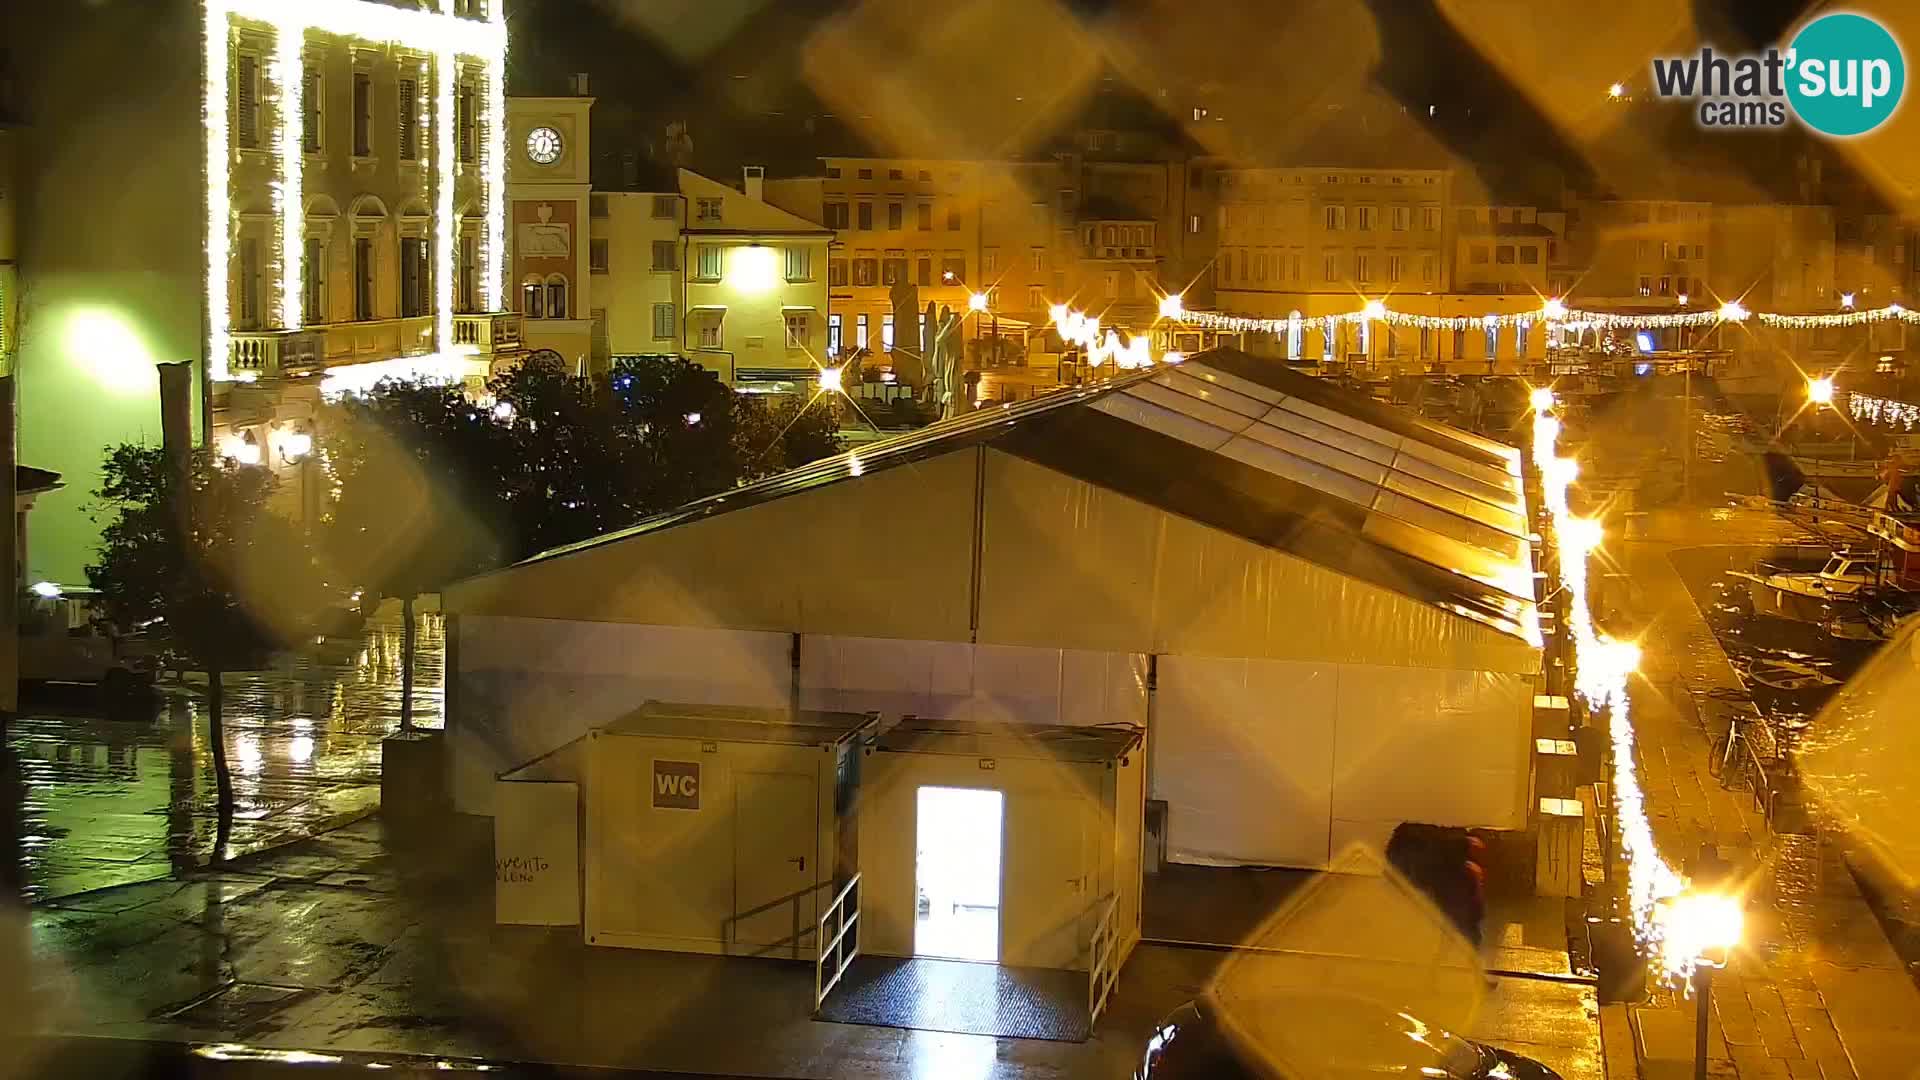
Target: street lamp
1700, 929
1541, 398
1820, 390
1172, 306
1617, 91
830, 380
1846, 300
977, 301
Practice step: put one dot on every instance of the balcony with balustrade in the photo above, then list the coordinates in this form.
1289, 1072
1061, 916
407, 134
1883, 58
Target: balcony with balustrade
270, 354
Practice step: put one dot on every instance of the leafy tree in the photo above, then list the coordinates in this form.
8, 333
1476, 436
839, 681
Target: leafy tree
200, 552
422, 476
772, 436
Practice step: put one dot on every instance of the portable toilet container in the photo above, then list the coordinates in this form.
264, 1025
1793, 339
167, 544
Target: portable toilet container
1015, 844
715, 829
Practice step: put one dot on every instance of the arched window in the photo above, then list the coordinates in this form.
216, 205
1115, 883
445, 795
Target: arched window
1293, 335
556, 297
533, 298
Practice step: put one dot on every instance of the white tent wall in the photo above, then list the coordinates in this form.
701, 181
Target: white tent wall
527, 686
1285, 763
981, 683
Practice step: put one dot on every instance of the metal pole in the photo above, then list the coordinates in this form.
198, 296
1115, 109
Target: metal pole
1703, 994
1686, 435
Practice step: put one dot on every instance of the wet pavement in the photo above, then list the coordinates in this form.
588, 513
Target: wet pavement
1816, 989
355, 943
119, 796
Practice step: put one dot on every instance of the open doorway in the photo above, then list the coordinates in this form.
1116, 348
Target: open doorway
957, 874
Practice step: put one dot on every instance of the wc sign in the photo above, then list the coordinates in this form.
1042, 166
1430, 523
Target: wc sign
676, 785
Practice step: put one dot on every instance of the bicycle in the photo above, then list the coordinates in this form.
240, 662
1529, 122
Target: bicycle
1726, 755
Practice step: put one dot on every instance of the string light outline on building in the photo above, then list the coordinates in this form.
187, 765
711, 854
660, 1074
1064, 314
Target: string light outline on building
445, 37
1879, 410
446, 70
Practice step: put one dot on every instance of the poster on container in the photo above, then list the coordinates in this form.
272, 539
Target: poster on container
536, 853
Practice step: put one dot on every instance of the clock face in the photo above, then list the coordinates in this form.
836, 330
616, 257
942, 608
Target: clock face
543, 145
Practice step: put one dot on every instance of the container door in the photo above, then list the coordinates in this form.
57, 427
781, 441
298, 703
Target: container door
776, 834
1046, 897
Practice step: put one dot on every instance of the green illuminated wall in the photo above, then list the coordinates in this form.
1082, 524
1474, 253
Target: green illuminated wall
110, 242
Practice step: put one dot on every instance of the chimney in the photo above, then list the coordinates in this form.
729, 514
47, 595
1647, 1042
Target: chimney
755, 182
580, 85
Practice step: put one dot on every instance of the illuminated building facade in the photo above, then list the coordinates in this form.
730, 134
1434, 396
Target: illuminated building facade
548, 184
320, 201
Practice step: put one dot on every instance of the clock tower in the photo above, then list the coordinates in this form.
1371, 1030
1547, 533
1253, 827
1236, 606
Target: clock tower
549, 195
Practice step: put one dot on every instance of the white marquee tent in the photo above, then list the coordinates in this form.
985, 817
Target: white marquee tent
1320, 608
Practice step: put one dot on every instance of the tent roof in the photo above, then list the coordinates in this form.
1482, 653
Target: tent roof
1247, 447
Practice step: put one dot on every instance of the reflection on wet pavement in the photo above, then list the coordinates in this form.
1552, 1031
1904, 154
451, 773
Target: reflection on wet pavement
113, 798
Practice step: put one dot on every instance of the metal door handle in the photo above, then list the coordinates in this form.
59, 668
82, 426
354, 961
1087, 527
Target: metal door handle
799, 861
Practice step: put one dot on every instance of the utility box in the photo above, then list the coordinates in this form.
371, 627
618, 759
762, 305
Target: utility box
1072, 809
714, 829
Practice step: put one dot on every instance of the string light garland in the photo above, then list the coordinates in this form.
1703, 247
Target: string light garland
446, 38
1553, 312
1886, 411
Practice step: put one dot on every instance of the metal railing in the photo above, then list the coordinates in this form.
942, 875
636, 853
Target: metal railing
793, 902
488, 331
1102, 972
841, 946
268, 353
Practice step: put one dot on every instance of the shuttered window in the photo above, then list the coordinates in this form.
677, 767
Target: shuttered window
246, 100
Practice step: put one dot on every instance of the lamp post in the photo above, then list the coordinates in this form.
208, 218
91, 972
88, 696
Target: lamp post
1701, 929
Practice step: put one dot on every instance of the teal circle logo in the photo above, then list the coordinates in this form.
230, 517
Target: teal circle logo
1845, 74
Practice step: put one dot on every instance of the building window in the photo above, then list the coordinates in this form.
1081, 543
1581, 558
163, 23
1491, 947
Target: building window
1427, 269
666, 255
1036, 300
1326, 341
1520, 339
662, 322
663, 207
707, 210
1294, 334
1529, 255
799, 330
1336, 218
313, 300
362, 114
363, 279
467, 116
312, 104
1402, 218
836, 214
833, 172
1395, 267
1646, 285
865, 215
410, 120
1459, 344
836, 272
833, 334
1363, 266
246, 100
707, 266
860, 330
1365, 223
866, 174
1430, 218
1112, 285
1503, 254
923, 270
1666, 285
893, 269
469, 270
1479, 255
413, 277
710, 327
1467, 219
799, 263
532, 300
1193, 223
990, 261
1492, 342
886, 331
1330, 266
866, 271
896, 216
923, 216
953, 219
953, 268
250, 283
597, 256
925, 175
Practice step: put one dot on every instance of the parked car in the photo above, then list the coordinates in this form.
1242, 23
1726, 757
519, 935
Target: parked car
1303, 1036
63, 641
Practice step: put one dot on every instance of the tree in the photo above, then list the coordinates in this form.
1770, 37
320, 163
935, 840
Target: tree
201, 553
772, 436
422, 474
